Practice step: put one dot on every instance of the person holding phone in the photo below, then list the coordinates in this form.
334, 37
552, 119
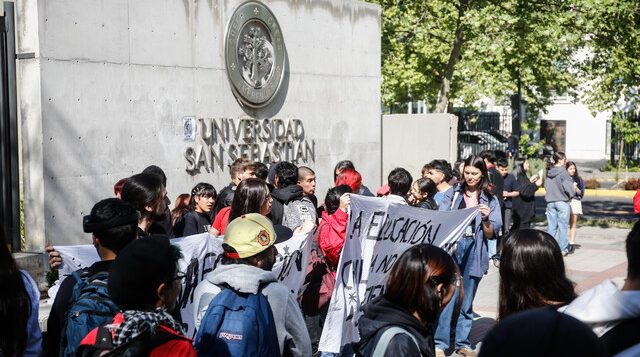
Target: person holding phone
472, 253
523, 196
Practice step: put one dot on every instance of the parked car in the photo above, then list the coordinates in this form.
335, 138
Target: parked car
473, 142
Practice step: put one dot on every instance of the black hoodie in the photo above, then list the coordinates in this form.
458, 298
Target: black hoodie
381, 314
304, 209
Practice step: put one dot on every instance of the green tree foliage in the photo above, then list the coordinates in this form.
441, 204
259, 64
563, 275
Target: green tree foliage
611, 63
446, 50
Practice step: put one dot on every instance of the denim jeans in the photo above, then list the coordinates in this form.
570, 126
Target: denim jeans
558, 214
465, 318
493, 247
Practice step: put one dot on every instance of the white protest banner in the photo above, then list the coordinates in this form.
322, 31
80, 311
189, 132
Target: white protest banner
379, 231
201, 253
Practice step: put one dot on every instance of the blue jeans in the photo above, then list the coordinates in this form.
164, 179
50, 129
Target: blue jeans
465, 318
493, 247
558, 214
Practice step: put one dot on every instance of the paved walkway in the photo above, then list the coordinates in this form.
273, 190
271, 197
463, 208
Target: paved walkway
600, 256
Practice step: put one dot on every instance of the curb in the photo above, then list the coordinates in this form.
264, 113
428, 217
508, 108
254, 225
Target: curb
598, 193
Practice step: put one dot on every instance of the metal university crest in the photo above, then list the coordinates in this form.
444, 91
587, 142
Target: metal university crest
254, 54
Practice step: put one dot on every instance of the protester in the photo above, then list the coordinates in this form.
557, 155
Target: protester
290, 207
532, 273
347, 164
541, 332
261, 170
307, 180
472, 255
252, 196
559, 191
440, 172
523, 198
399, 181
146, 193
246, 269
181, 207
333, 226
198, 218
239, 170
419, 285
144, 282
612, 313
20, 333
496, 183
422, 194
113, 224
575, 203
162, 224
351, 178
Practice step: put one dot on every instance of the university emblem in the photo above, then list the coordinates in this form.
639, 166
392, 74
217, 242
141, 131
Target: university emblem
254, 54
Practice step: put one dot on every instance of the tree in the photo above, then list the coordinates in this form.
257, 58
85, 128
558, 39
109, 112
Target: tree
462, 50
611, 64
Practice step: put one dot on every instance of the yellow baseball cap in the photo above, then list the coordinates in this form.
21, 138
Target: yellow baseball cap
248, 235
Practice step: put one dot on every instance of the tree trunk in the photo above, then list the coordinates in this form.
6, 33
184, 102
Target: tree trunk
454, 57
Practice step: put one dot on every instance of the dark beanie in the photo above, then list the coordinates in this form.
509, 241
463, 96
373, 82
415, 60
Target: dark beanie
541, 332
138, 271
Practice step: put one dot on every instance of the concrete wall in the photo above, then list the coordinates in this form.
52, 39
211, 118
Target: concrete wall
111, 80
412, 140
586, 135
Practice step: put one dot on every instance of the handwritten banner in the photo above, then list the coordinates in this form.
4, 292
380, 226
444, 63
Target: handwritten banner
202, 254
378, 232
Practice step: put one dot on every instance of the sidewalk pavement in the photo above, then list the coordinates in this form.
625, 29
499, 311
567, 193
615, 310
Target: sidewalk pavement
600, 255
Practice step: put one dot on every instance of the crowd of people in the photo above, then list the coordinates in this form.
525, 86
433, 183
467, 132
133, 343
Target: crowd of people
242, 309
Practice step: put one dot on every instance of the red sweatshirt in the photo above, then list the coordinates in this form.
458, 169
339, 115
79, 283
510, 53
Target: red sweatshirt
180, 346
331, 235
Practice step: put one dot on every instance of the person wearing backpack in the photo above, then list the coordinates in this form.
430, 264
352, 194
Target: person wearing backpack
401, 322
144, 282
290, 206
240, 307
113, 224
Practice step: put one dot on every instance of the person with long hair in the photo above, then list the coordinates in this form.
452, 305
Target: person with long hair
198, 218
523, 197
181, 207
422, 194
575, 203
559, 191
19, 296
351, 178
532, 273
251, 196
419, 285
344, 165
472, 253
147, 194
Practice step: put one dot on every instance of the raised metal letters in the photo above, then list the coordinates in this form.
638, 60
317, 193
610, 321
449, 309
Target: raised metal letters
254, 54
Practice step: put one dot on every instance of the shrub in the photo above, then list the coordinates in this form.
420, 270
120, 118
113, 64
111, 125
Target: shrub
632, 184
591, 184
